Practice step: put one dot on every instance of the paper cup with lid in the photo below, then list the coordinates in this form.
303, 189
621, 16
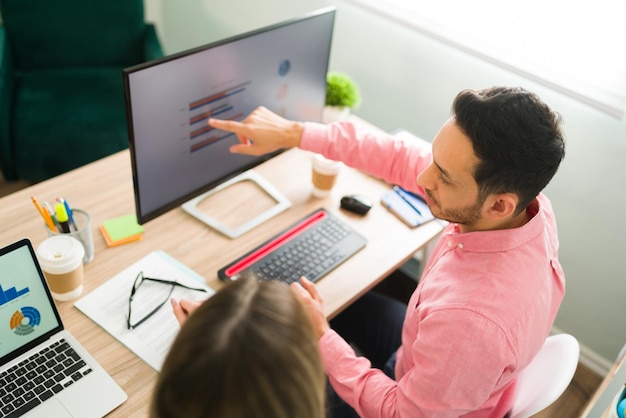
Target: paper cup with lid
61, 259
324, 174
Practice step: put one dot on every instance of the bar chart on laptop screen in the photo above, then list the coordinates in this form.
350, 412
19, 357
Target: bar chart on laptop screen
25, 318
11, 294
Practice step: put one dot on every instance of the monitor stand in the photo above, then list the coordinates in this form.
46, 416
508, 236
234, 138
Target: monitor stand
282, 203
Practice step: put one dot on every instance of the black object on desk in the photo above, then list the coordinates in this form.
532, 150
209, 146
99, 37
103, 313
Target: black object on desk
356, 203
312, 247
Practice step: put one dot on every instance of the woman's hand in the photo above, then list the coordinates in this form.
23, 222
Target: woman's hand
183, 308
312, 301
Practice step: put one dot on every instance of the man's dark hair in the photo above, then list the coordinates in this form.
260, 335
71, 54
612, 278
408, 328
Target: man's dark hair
516, 137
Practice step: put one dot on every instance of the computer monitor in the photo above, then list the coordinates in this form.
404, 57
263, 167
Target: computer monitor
175, 155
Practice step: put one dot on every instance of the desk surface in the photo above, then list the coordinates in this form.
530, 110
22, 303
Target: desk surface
104, 189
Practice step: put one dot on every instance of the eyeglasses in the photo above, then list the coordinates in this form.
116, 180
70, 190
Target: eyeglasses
154, 299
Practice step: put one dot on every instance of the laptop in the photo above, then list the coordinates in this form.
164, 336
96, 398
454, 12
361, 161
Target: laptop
44, 370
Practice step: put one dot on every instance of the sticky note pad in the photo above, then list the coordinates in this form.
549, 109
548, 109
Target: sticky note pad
122, 227
110, 243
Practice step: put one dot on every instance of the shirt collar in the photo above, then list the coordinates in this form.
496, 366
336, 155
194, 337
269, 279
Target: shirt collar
500, 239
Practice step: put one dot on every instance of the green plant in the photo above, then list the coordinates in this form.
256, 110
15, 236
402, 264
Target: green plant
341, 90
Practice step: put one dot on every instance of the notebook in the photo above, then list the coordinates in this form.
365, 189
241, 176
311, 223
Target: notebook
44, 370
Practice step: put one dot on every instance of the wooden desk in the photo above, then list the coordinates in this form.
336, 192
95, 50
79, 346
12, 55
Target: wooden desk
104, 189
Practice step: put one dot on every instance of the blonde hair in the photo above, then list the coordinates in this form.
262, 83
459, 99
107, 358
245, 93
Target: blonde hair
248, 351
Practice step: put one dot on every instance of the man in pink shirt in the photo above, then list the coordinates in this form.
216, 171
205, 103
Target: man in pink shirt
491, 289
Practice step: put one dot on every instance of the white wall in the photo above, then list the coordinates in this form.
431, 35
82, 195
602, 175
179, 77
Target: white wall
409, 80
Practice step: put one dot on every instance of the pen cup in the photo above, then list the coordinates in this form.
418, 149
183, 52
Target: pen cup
82, 232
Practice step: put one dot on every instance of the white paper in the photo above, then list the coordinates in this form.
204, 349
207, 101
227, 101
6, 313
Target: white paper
107, 306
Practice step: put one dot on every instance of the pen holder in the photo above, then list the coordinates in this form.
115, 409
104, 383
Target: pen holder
82, 232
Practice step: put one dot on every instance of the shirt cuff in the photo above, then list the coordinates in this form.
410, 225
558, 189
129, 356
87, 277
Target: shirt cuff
310, 132
333, 348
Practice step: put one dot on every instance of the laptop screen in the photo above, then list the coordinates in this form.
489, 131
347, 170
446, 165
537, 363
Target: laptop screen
27, 312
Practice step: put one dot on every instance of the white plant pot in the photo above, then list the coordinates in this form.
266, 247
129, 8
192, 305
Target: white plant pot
335, 113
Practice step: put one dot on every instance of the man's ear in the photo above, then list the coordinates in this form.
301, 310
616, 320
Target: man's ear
501, 205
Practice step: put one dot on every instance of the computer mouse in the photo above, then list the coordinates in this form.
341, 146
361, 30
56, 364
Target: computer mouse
356, 203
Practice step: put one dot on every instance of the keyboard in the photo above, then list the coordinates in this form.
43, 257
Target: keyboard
312, 247
45, 373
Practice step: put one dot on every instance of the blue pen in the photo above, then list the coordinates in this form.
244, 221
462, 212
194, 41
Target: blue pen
69, 212
406, 196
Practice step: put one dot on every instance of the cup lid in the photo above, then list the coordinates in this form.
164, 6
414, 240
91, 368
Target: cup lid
326, 166
60, 254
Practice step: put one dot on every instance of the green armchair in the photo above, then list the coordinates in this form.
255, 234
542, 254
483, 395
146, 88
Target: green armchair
61, 92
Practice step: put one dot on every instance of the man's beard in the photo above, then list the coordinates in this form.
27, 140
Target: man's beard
467, 215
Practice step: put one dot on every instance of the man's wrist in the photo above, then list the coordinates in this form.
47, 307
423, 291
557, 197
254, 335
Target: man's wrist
296, 131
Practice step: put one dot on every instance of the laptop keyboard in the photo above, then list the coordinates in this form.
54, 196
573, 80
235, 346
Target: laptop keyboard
311, 248
32, 381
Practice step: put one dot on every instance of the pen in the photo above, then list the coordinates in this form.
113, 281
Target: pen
69, 212
44, 214
406, 196
48, 209
62, 217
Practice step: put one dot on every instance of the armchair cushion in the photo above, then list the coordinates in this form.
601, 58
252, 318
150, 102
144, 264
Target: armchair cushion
61, 92
67, 118
61, 33
6, 102
151, 45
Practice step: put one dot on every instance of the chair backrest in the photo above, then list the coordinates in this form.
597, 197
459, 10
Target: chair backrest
47, 34
547, 376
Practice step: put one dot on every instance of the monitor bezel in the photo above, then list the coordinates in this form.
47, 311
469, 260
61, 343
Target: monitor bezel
143, 218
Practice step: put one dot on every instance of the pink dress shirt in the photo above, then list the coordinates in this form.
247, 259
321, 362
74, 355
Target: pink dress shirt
484, 305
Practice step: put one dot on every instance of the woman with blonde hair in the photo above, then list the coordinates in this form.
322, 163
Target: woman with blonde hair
248, 351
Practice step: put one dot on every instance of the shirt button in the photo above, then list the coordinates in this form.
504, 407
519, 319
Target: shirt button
450, 243
460, 245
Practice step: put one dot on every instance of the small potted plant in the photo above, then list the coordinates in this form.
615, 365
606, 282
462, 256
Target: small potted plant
342, 95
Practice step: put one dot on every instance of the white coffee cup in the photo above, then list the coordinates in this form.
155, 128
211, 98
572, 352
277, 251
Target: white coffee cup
324, 174
61, 259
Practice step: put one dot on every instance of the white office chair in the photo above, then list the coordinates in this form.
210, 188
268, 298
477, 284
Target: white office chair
547, 376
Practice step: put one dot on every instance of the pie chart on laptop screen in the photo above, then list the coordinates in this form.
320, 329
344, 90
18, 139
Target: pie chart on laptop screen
24, 320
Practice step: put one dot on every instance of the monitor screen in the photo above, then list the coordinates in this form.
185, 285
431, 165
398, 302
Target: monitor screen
175, 155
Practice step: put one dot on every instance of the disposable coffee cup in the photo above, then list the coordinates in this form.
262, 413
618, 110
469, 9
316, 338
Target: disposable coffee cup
81, 230
61, 259
324, 174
